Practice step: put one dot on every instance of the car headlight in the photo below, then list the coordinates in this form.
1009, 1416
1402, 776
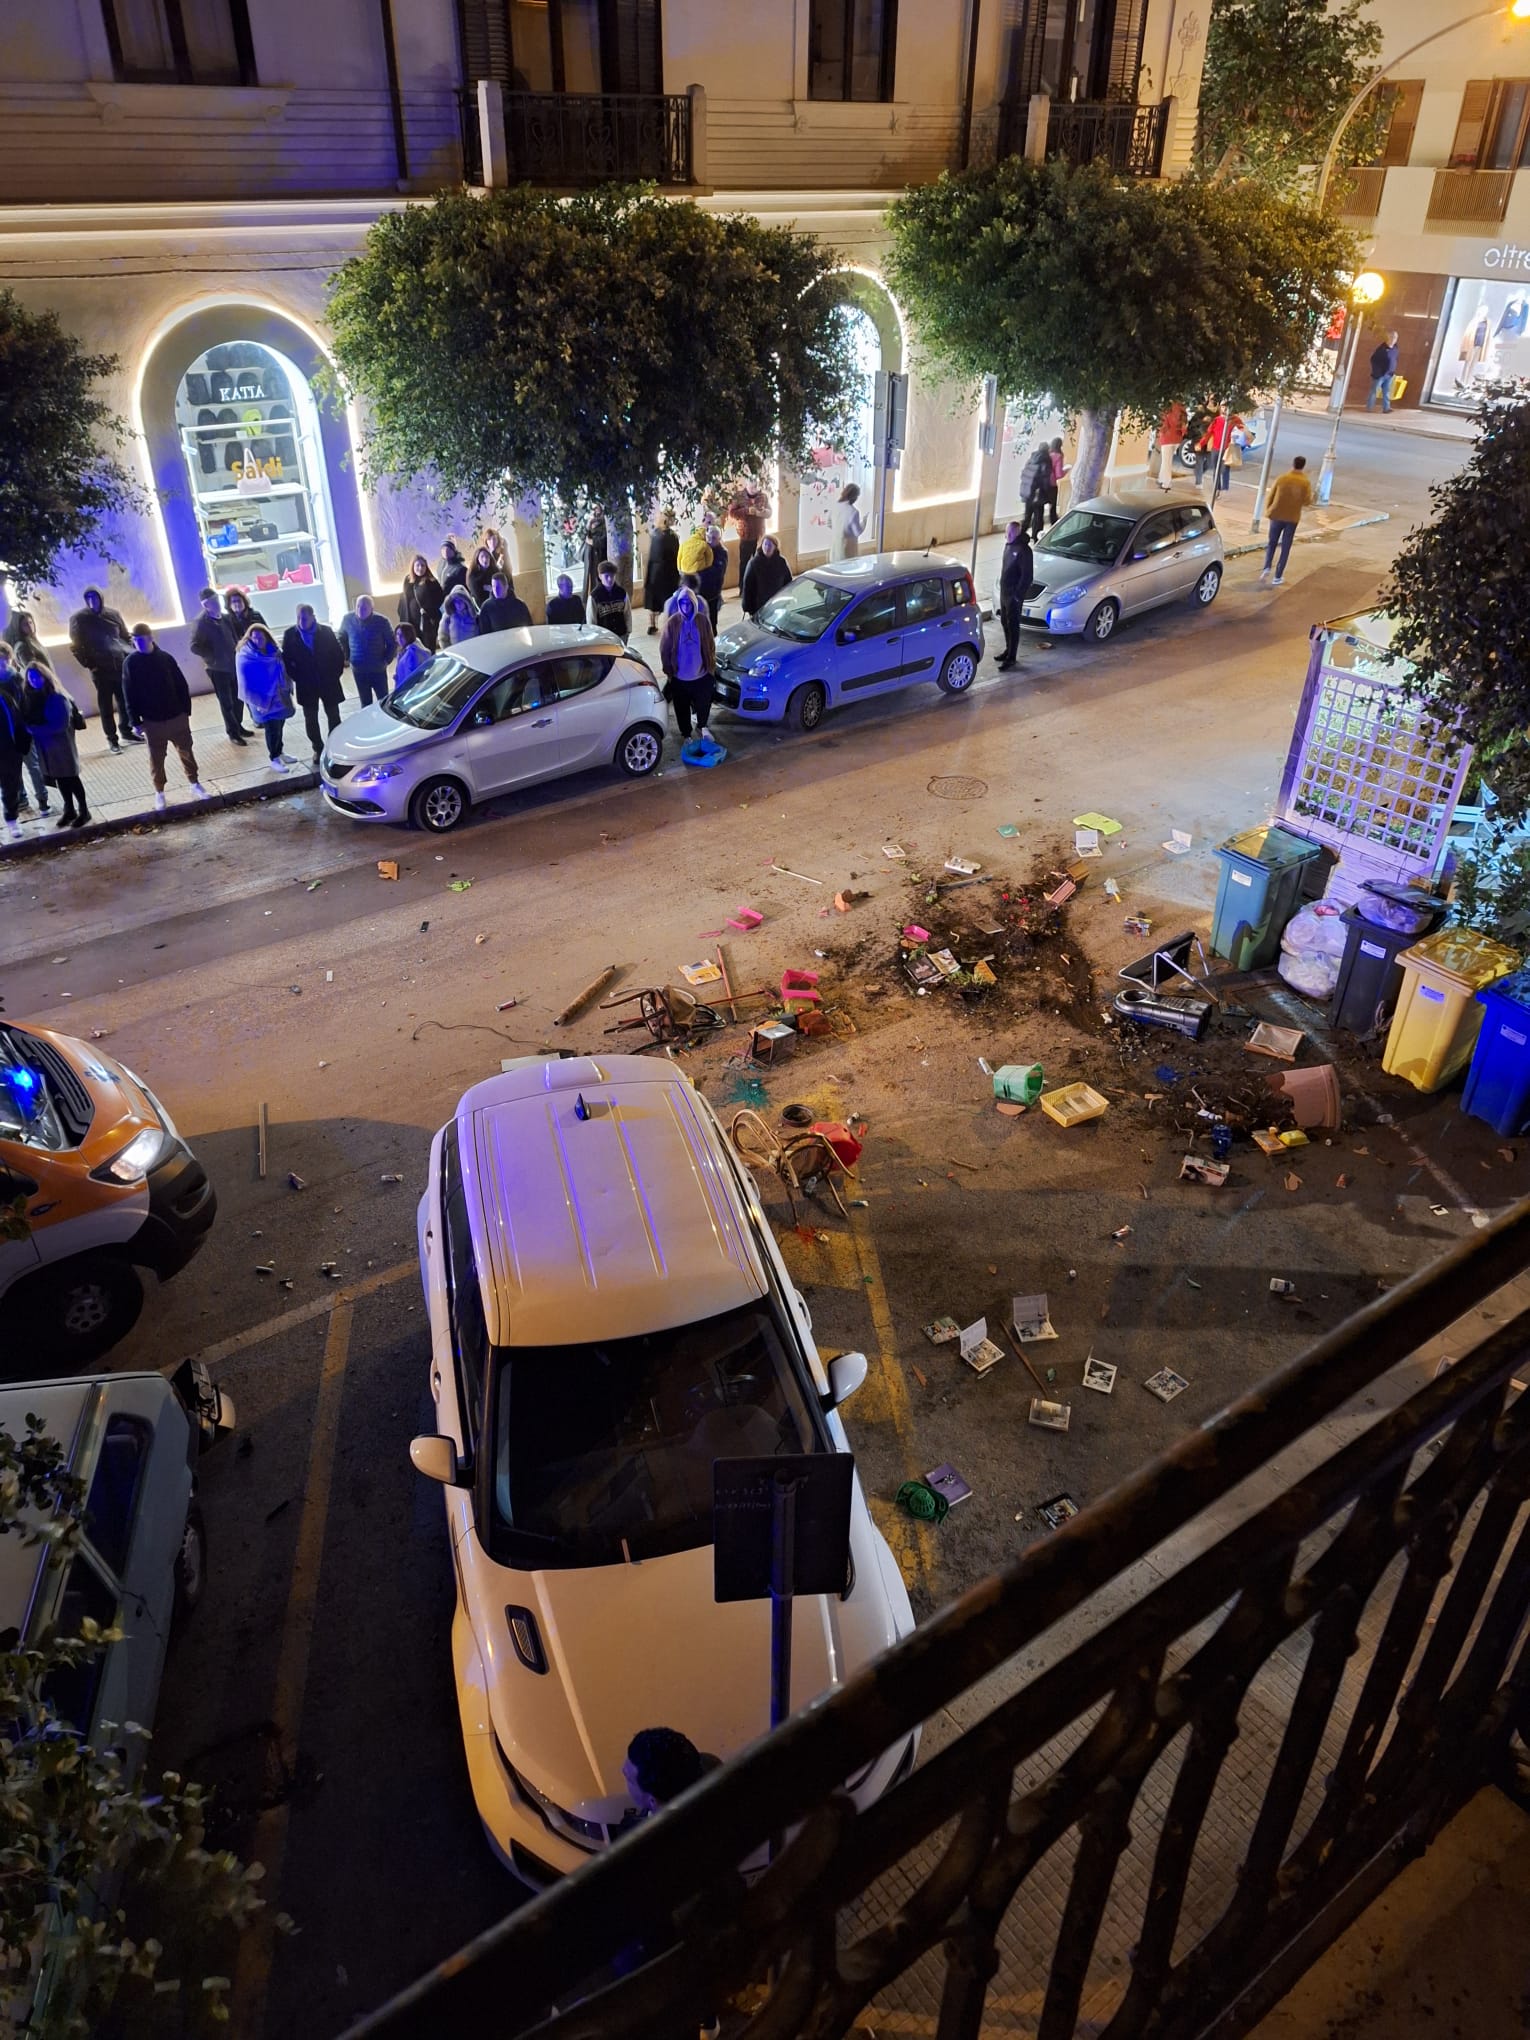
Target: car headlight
135, 1160
373, 775
1069, 594
761, 669
589, 1834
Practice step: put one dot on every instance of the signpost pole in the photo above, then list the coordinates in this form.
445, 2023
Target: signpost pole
783, 1540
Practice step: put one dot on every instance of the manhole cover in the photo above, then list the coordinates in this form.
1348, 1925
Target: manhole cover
955, 787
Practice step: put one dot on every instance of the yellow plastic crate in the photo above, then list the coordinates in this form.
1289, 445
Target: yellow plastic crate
1435, 1027
1073, 1104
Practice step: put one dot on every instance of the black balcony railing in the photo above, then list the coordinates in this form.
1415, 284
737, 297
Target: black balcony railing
1176, 1801
581, 138
1126, 137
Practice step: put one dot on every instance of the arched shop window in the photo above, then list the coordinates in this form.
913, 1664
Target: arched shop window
833, 467
249, 433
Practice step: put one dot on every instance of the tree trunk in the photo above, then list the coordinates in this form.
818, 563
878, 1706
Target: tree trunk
1096, 429
619, 538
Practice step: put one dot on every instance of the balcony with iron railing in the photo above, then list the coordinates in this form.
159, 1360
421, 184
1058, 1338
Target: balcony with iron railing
575, 139
1170, 1752
1125, 135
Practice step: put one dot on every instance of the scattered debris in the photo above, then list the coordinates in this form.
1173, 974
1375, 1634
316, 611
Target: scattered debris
263, 1132
387, 867
1166, 1384
1056, 1511
1100, 1375
1074, 1104
787, 872
912, 932
1440, 1210
507, 1005
704, 973
920, 1376
746, 920
1103, 823
1007, 829
844, 901
1267, 1140
1050, 1416
942, 1331
1279, 1286
392, 1176
1293, 1181
1031, 1318
1314, 1095
1200, 1169
895, 852
460, 885
977, 1349
945, 1481
295, 1181
964, 867
1086, 843
1280, 1042
1178, 843
921, 1501
591, 991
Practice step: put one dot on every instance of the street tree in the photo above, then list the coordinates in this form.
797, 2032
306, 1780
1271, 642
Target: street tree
1278, 76
612, 347
81, 1822
1462, 605
1110, 296
61, 475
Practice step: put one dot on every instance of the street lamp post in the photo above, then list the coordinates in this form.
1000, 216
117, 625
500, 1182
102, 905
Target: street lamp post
1367, 289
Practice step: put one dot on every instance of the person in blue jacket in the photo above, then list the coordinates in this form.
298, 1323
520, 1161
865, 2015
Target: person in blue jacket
367, 641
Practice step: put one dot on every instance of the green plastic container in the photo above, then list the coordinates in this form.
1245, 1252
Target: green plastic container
1259, 890
1018, 1083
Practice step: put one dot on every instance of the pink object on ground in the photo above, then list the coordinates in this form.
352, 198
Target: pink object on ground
798, 984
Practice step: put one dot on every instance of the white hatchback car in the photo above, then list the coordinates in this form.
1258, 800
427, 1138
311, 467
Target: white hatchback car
609, 1313
491, 715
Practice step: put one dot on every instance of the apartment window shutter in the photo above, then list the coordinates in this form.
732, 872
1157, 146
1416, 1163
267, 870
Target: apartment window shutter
1406, 96
632, 46
484, 27
1472, 126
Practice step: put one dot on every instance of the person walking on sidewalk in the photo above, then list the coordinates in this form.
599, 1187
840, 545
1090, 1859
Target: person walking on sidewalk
217, 646
1172, 427
99, 640
313, 662
565, 606
160, 702
766, 575
610, 604
16, 748
368, 645
1016, 572
1290, 494
49, 715
1383, 369
686, 653
11, 669
265, 689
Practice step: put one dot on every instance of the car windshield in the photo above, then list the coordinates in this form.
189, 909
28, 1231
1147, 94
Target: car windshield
27, 1111
437, 694
805, 610
1087, 536
604, 1452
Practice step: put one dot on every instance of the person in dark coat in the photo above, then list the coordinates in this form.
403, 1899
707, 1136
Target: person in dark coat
1036, 482
313, 661
1016, 572
710, 579
13, 663
610, 604
565, 606
766, 574
480, 579
47, 709
454, 571
160, 702
99, 640
16, 747
1383, 370
595, 547
504, 609
369, 650
662, 576
241, 613
421, 600
216, 644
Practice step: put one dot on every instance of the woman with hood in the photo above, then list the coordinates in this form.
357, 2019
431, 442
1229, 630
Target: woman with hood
453, 567
265, 689
420, 603
481, 573
687, 653
412, 655
662, 577
459, 619
47, 710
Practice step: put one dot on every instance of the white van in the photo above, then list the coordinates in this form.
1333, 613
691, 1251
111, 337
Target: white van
609, 1314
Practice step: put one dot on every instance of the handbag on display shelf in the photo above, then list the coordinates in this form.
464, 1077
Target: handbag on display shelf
266, 582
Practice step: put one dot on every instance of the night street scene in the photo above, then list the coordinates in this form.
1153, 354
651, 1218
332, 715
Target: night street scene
765, 1020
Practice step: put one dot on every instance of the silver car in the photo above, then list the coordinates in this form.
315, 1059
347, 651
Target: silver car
1110, 558
493, 714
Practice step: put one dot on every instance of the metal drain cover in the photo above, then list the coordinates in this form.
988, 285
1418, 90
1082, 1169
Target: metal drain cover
956, 787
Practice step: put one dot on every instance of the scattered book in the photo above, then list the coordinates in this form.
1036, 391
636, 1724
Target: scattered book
1099, 1375
701, 973
1057, 1511
1031, 1319
978, 1350
1166, 1384
1050, 1416
943, 1331
945, 1480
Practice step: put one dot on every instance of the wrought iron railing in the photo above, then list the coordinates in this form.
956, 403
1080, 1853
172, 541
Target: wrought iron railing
1126, 137
1180, 1796
580, 138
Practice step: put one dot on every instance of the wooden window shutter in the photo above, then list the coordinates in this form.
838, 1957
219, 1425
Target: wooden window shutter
1472, 126
1406, 95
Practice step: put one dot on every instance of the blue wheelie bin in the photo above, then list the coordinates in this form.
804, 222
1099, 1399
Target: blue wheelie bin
1258, 892
1498, 1082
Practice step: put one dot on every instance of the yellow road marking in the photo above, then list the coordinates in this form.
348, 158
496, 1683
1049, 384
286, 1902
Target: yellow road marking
252, 1975
887, 1393
303, 1313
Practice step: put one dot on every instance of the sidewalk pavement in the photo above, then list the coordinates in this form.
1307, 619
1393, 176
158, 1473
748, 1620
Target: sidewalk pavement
1423, 423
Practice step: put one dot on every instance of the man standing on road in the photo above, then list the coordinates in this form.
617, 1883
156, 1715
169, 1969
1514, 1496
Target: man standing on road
688, 657
1015, 576
1290, 494
159, 699
216, 646
313, 662
1383, 368
369, 648
99, 640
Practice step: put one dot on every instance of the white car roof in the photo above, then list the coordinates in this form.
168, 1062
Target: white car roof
497, 649
624, 1221
61, 1405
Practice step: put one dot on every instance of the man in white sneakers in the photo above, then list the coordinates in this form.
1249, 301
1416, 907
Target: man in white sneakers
1290, 494
159, 702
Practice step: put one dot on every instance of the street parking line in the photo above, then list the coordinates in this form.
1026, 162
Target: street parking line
889, 1398
252, 1973
303, 1313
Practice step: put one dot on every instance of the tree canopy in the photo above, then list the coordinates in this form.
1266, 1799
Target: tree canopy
1462, 605
1112, 295
1278, 76
593, 347
60, 477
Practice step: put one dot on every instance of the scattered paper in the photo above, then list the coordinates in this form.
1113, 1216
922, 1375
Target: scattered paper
895, 851
1099, 1375
703, 973
387, 867
1178, 843
1166, 1384
943, 1331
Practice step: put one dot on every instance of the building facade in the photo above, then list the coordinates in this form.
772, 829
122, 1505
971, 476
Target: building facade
181, 178
1445, 208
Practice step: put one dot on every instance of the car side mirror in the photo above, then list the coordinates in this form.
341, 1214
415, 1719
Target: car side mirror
436, 1458
847, 1373
846, 636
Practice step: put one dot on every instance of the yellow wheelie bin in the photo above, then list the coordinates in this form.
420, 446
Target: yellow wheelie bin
1434, 1029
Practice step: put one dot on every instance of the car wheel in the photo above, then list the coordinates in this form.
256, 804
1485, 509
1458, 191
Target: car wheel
959, 671
77, 1312
805, 709
190, 1565
640, 750
439, 805
1206, 587
1103, 619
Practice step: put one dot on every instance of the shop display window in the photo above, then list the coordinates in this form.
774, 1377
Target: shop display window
832, 468
249, 430
1485, 339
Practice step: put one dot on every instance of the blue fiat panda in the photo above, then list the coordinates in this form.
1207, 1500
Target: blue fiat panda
857, 627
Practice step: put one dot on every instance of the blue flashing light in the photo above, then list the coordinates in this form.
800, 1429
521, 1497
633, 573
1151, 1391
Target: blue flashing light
26, 1088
